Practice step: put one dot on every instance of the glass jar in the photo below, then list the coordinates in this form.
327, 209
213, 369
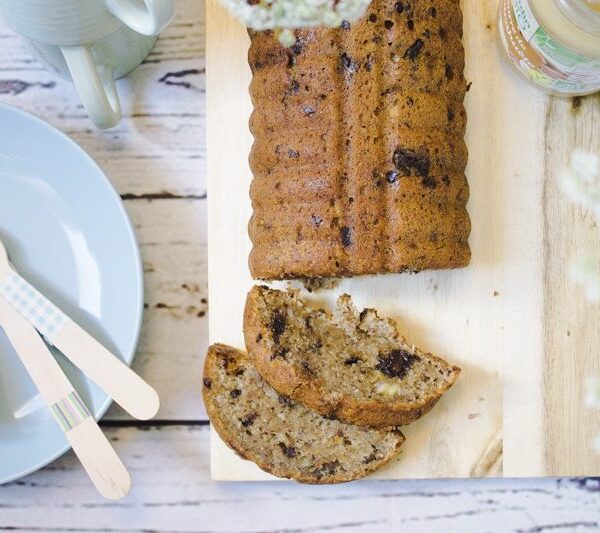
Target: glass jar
555, 44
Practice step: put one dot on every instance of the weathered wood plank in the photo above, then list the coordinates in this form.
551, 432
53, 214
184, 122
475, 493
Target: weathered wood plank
158, 148
172, 491
172, 237
571, 323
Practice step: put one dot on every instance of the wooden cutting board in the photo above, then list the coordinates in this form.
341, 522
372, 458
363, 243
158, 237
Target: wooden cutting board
523, 334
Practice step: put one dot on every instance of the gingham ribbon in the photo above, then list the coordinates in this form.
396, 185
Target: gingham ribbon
70, 411
34, 306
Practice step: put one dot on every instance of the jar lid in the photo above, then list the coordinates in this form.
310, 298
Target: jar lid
583, 13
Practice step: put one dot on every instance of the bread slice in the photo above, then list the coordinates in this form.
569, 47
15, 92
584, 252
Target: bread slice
282, 437
352, 366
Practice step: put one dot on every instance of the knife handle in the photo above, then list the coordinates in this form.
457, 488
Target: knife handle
98, 457
113, 376
91, 446
130, 391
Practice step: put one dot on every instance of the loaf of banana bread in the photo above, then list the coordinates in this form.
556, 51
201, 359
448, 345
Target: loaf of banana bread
359, 157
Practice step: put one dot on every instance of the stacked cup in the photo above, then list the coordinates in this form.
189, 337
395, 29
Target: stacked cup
92, 42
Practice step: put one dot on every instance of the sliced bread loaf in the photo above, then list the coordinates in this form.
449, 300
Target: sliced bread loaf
282, 437
352, 366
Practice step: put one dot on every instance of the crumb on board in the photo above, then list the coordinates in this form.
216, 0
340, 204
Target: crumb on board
432, 285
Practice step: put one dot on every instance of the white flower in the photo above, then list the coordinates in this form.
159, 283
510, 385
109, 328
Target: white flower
286, 37
291, 14
585, 164
586, 272
581, 180
331, 19
592, 392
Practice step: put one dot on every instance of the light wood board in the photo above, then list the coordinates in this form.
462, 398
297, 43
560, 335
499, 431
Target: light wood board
512, 320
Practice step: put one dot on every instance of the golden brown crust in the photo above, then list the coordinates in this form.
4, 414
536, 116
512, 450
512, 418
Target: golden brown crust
359, 157
316, 393
221, 421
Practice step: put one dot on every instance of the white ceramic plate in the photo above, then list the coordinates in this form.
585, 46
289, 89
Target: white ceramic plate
67, 232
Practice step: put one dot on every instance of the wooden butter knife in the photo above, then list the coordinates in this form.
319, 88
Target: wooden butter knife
91, 446
104, 368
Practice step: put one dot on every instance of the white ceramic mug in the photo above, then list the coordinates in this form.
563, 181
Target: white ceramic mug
92, 42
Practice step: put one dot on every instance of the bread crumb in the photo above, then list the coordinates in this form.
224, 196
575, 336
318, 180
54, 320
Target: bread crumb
432, 285
317, 284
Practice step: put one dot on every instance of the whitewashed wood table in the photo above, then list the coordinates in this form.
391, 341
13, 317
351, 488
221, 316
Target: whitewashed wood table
156, 160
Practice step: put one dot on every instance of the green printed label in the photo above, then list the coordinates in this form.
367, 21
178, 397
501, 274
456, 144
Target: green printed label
540, 57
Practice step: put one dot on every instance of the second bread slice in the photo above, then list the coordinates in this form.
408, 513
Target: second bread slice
352, 366
281, 436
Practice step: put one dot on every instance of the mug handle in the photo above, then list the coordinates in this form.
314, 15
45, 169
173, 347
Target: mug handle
95, 84
148, 17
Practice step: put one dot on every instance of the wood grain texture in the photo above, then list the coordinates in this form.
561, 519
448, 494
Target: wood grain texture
175, 493
156, 160
571, 333
172, 237
495, 318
